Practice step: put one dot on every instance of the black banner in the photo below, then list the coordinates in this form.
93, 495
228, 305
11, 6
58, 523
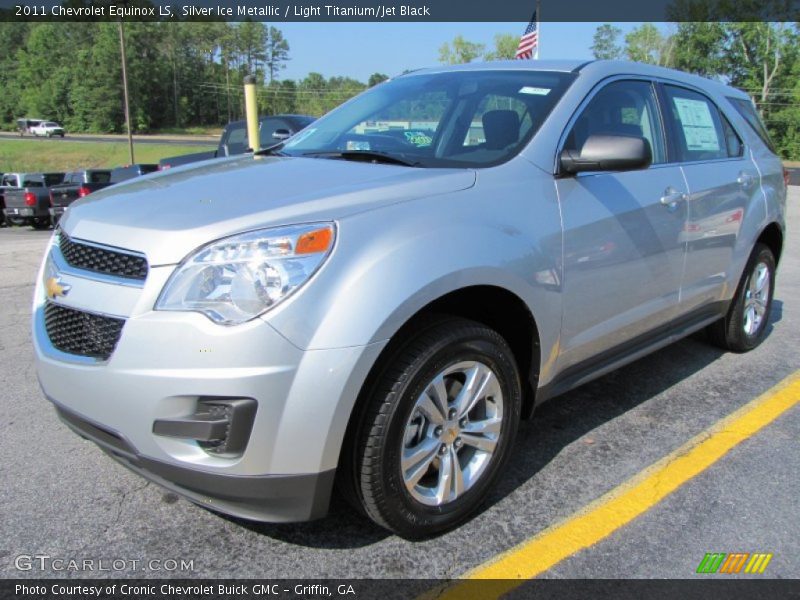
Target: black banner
402, 10
390, 589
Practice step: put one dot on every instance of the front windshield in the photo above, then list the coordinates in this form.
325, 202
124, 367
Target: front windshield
450, 119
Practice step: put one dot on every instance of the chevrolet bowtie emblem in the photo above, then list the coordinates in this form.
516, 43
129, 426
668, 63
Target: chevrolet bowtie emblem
56, 288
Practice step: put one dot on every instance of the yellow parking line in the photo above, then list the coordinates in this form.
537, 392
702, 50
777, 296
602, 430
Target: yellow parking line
623, 504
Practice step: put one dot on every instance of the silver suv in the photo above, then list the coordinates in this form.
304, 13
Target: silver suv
376, 302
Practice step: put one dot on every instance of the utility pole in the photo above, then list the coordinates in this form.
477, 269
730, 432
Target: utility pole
125, 90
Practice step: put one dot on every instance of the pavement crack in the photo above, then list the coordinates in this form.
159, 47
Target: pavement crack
123, 497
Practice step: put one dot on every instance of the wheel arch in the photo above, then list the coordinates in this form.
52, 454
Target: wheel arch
493, 306
772, 237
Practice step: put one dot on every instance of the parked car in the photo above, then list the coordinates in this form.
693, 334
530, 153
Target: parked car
47, 129
120, 174
76, 185
358, 308
234, 138
30, 204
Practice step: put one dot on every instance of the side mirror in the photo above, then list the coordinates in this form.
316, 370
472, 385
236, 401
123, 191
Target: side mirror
281, 134
608, 153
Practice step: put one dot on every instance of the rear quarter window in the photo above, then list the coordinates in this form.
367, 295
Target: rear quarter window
100, 177
748, 112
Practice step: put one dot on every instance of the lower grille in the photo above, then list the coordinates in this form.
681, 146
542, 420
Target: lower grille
82, 333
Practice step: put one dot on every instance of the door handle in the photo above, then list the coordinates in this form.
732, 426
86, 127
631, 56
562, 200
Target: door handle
744, 179
671, 197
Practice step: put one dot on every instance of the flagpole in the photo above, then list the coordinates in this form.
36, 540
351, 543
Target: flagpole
538, 27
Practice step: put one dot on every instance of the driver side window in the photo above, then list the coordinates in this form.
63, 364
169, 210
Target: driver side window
625, 108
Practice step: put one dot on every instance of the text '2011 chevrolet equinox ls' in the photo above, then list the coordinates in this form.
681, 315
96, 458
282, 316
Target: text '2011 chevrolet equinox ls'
376, 302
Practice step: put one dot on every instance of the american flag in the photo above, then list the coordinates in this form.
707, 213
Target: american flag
529, 42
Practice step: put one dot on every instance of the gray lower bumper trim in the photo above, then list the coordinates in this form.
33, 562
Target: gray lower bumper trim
272, 498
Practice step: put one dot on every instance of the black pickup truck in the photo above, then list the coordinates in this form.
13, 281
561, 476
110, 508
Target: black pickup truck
30, 204
234, 138
82, 183
76, 185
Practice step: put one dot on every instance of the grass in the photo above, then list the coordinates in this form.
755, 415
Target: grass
26, 156
196, 130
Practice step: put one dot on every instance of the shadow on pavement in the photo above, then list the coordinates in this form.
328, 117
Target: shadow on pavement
556, 424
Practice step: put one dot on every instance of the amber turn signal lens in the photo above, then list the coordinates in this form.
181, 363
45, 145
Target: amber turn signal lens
318, 240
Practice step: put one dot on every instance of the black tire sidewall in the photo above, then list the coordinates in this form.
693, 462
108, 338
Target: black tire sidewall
737, 336
409, 516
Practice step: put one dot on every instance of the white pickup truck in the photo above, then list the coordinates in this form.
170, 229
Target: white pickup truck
47, 129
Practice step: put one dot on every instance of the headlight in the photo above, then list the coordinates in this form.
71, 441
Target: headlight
238, 278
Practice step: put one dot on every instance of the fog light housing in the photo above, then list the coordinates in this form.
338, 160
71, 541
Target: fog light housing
220, 426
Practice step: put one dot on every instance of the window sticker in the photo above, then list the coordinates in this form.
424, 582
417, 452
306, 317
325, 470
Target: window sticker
698, 124
419, 138
536, 91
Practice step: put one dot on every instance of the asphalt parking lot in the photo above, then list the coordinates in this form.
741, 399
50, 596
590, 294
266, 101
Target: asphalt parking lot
62, 497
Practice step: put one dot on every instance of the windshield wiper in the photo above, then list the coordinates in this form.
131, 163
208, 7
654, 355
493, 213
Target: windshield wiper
273, 150
374, 156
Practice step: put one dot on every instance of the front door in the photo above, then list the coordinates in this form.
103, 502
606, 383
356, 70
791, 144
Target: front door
623, 231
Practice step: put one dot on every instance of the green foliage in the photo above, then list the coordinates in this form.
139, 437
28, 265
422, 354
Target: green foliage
376, 78
646, 44
459, 51
605, 46
277, 52
178, 73
505, 47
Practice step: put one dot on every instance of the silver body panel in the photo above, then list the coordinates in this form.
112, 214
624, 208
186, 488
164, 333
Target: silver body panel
597, 259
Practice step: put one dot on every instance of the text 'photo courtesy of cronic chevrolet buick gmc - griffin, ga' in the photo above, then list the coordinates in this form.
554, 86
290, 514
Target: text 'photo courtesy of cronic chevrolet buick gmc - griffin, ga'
370, 306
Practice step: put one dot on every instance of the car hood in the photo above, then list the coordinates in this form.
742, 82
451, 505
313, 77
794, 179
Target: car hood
169, 214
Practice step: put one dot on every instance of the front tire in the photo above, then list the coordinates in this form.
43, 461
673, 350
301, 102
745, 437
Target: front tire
438, 428
745, 325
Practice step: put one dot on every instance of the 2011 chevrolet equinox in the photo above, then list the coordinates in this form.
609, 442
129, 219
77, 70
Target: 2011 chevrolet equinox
377, 301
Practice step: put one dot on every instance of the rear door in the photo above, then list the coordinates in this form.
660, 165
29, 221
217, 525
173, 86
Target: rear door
623, 231
721, 180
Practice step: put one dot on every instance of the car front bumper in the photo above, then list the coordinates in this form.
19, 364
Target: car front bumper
166, 364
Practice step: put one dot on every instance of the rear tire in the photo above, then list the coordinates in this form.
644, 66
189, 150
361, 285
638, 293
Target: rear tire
745, 325
41, 223
425, 453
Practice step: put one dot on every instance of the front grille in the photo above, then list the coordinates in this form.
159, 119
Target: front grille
77, 332
102, 260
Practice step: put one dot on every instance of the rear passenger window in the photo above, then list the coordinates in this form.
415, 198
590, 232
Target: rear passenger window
626, 108
700, 132
100, 177
268, 127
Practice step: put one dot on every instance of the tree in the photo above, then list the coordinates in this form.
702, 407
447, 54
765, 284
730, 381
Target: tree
759, 54
277, 52
253, 47
461, 51
376, 78
646, 44
698, 48
505, 47
605, 46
